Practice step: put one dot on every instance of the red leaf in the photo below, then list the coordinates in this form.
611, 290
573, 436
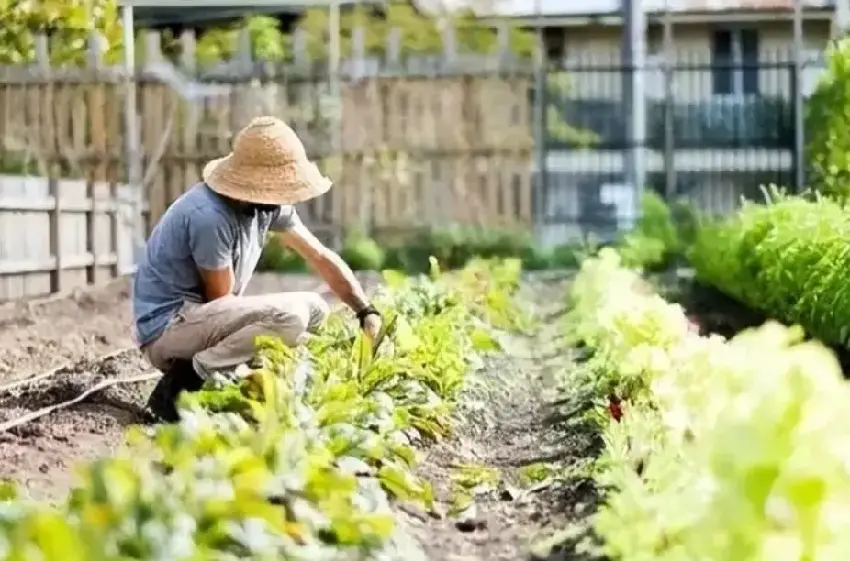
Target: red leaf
615, 408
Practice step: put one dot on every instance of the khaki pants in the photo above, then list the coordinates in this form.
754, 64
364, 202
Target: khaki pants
220, 335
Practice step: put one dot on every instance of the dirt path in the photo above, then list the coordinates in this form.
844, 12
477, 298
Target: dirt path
77, 330
506, 435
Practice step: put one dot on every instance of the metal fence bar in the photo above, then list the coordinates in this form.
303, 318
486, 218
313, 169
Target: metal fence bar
706, 147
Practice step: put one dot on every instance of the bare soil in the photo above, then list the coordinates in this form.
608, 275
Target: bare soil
506, 423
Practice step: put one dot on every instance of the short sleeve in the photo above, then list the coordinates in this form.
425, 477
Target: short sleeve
211, 240
286, 219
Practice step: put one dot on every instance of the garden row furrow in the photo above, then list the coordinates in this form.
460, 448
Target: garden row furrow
302, 460
726, 450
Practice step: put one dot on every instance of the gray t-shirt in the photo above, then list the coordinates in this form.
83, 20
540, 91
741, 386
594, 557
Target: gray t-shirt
199, 230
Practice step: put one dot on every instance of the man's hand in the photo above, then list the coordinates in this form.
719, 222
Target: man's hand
372, 326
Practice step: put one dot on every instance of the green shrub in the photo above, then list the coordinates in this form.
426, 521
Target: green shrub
536, 259
565, 256
655, 240
828, 126
453, 248
362, 253
277, 257
787, 259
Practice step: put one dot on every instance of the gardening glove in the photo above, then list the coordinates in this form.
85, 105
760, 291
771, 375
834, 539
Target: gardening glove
370, 321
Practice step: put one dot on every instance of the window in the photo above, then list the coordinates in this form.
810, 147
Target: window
735, 61
554, 41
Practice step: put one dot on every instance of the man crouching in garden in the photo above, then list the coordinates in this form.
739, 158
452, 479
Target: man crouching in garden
188, 302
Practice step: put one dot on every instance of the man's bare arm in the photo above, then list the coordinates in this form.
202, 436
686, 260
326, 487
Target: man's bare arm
217, 283
327, 264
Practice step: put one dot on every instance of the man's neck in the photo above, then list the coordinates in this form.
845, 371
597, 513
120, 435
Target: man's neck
240, 207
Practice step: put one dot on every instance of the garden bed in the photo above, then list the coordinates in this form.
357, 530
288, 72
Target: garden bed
721, 449
72, 343
508, 451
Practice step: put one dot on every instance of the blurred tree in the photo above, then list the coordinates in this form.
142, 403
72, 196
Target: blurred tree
420, 34
268, 42
68, 23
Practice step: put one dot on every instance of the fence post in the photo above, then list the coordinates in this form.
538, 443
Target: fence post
393, 48
798, 151
633, 54
39, 142
153, 109
799, 105
97, 131
503, 40
132, 142
300, 53
449, 44
188, 61
669, 114
42, 59
358, 53
366, 189
540, 180
244, 87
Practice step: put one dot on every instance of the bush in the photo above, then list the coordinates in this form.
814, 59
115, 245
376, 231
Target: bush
453, 248
362, 253
457, 246
828, 126
656, 242
788, 259
277, 257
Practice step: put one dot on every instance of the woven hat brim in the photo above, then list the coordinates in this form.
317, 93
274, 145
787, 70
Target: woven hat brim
286, 184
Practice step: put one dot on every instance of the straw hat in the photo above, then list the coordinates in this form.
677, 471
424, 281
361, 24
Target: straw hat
268, 165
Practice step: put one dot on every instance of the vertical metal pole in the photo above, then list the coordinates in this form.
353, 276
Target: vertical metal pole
539, 130
334, 63
131, 125
669, 101
841, 18
799, 124
633, 55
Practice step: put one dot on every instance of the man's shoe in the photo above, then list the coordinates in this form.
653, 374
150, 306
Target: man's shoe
180, 377
223, 376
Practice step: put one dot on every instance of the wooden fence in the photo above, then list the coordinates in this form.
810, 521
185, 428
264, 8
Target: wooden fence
446, 141
59, 234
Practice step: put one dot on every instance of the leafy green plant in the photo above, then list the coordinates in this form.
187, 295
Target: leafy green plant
300, 460
725, 449
786, 258
660, 235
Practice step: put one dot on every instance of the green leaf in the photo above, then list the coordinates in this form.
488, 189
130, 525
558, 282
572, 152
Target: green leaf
483, 340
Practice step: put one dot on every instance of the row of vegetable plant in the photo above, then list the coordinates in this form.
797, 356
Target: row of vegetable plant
726, 450
299, 461
787, 258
